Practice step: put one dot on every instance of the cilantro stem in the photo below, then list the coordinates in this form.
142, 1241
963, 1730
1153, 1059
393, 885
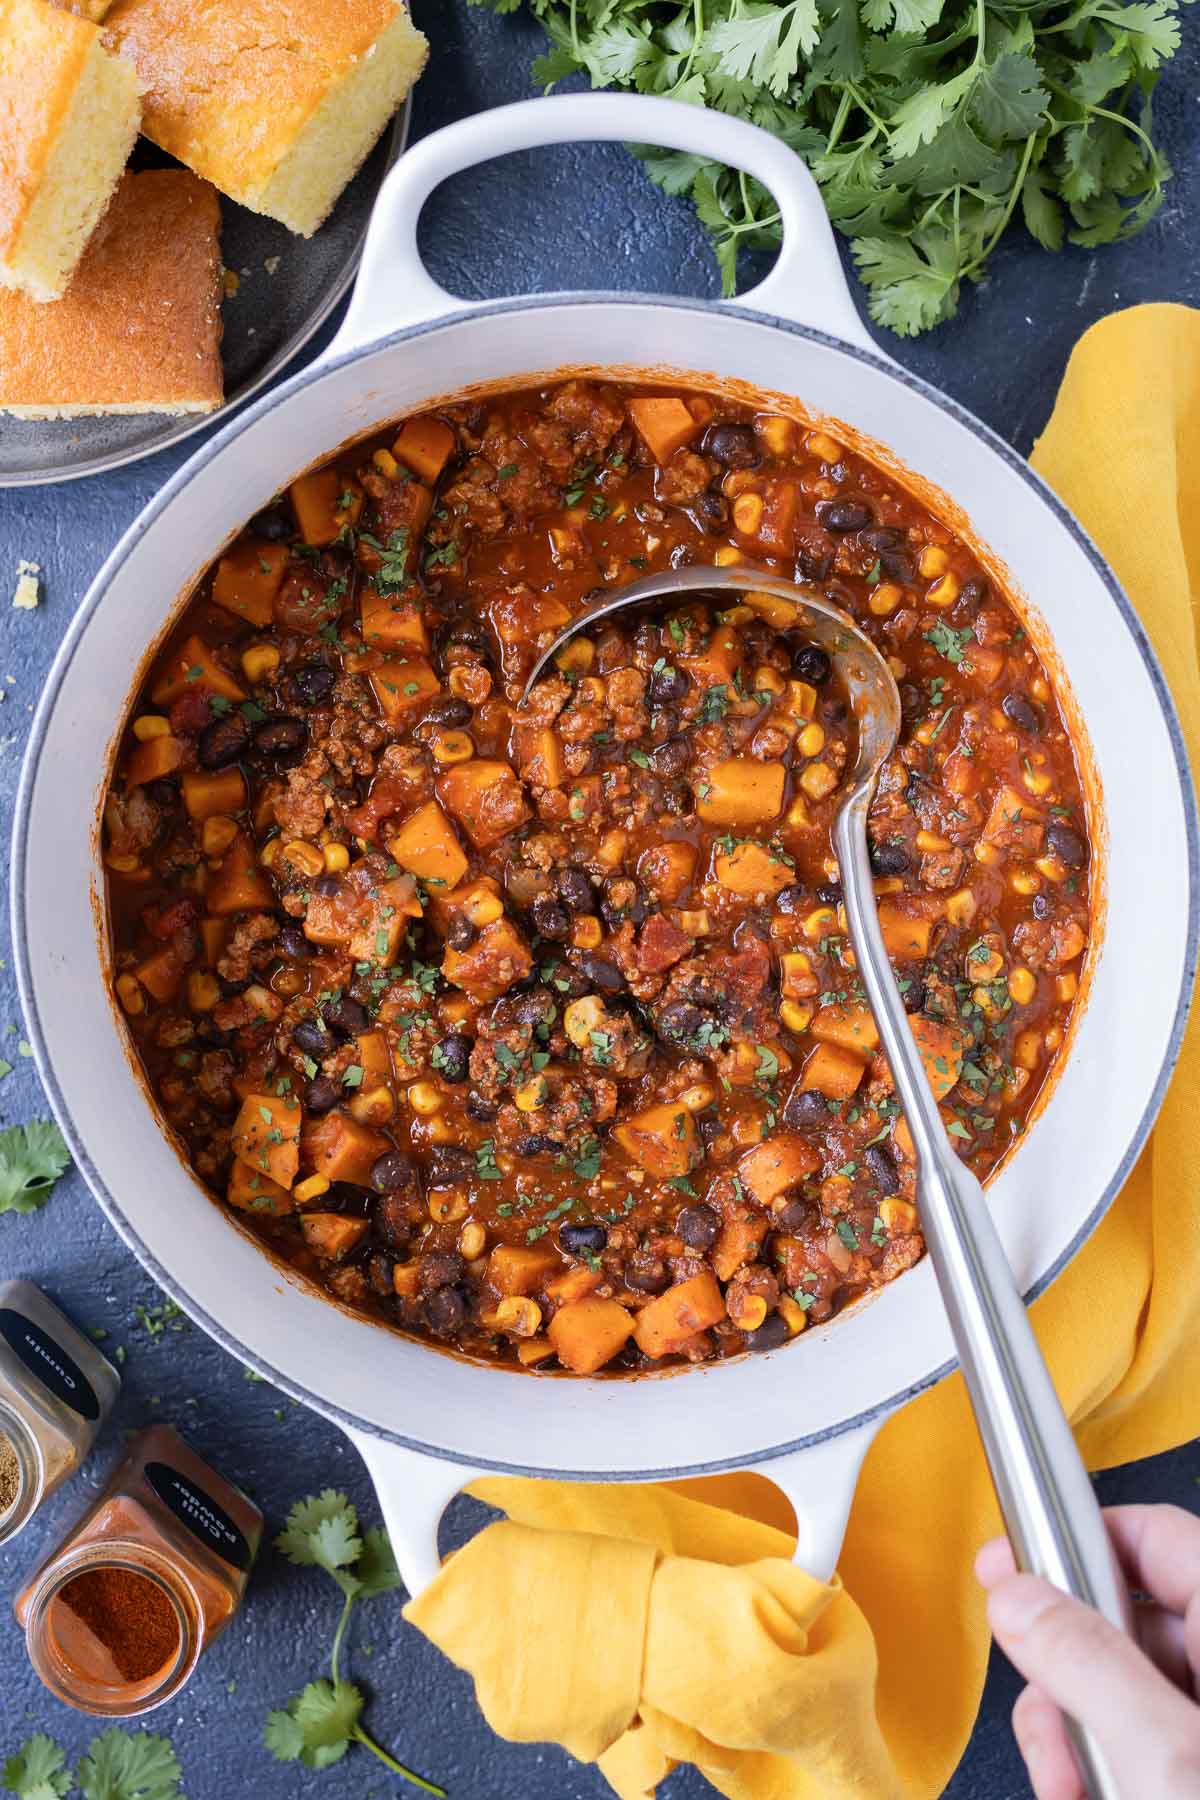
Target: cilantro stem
338, 1635
397, 1768
989, 243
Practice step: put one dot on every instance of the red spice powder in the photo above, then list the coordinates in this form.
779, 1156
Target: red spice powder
129, 1614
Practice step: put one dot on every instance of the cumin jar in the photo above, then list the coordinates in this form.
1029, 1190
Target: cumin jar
117, 1617
56, 1390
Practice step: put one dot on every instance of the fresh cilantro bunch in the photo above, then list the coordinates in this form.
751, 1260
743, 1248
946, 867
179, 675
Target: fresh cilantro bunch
928, 124
119, 1765
319, 1724
32, 1157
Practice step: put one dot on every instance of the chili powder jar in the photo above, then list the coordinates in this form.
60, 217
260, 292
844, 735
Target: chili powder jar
56, 1390
117, 1617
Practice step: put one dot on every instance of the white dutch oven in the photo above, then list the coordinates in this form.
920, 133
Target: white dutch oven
425, 1421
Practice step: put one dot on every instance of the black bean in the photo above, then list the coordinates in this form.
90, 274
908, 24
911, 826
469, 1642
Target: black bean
811, 566
314, 683
164, 792
843, 515
380, 1267
883, 537
393, 1217
460, 933
709, 512
346, 1017
812, 665
890, 859
699, 1226
582, 1240
452, 1057
281, 740
223, 742
882, 1164
973, 594
328, 885
734, 446
447, 712
646, 1273
805, 1107
538, 1143
446, 1312
603, 975
481, 1109
912, 701
311, 1036
575, 890
913, 996
392, 1171
680, 1022
212, 1035
792, 1216
667, 685
440, 1269
792, 899
273, 524
1041, 906
322, 1095
830, 893
710, 1128
898, 565
449, 1163
671, 758
771, 1334
1022, 712
551, 920
1067, 844
293, 943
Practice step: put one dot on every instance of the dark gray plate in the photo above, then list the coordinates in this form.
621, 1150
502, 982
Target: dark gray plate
268, 319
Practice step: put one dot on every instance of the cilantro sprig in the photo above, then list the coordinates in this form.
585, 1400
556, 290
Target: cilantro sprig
319, 1724
931, 126
119, 1765
32, 1157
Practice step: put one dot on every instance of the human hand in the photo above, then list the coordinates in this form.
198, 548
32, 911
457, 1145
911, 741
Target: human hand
1139, 1703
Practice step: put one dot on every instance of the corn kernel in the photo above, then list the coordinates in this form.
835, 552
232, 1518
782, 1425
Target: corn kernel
887, 884
586, 933
130, 994
932, 561
793, 1314
531, 1351
336, 858
151, 725
1038, 781
1066, 986
802, 699
446, 1206
259, 661
811, 741
696, 924
386, 463
583, 1017
123, 865
988, 854
819, 443
777, 433
472, 1241
217, 833
899, 1216
452, 747
1053, 1038
1025, 881
818, 780
469, 681
747, 514
768, 680
728, 556
932, 840
373, 1106
440, 1130
270, 853
819, 923
310, 1189
1022, 986
424, 1098
305, 857
1039, 687
945, 590
577, 657
698, 1096
750, 1313
1051, 868
797, 1018
518, 1314
1027, 1050
961, 907
884, 598
203, 991
797, 814
532, 1094
984, 963
483, 908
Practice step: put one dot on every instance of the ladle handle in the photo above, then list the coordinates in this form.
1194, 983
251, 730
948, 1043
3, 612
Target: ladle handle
1050, 1510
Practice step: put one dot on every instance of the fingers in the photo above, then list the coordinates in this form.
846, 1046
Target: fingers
994, 1561
1042, 1740
1159, 1548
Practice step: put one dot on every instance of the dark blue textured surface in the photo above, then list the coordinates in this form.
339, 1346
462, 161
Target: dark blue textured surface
580, 217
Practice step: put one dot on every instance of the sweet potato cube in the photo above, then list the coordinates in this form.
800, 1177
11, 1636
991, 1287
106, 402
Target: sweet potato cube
488, 967
205, 794
666, 1324
212, 938
251, 1191
662, 1139
389, 621
426, 846
772, 1167
541, 758
324, 502
905, 934
406, 1279
333, 1235
485, 797
424, 446
152, 760
776, 530
941, 1047
248, 578
780, 613
796, 978
833, 1071
667, 869
663, 423
519, 618
193, 665
717, 664
402, 687
238, 884
574, 1283
521, 1269
161, 974
266, 1134
587, 1333
853, 1027
374, 1058
741, 791
750, 869
738, 1243
749, 1064
341, 1149
1014, 823
383, 920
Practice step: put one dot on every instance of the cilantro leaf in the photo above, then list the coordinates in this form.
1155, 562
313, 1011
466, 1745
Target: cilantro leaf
32, 1157
37, 1771
322, 1532
123, 1765
376, 1569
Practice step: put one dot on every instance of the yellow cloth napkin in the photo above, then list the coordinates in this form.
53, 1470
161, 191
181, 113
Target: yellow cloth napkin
646, 1626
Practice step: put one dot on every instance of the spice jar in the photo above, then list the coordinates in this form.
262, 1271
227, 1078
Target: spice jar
117, 1617
56, 1390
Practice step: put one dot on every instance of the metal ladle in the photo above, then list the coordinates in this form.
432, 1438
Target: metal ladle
1050, 1511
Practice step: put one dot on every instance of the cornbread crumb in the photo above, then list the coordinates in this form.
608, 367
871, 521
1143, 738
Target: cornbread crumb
272, 263
27, 592
278, 102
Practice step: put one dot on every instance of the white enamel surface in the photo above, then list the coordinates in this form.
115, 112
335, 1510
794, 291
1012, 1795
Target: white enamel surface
741, 1411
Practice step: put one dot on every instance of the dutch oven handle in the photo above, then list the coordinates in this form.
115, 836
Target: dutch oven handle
394, 289
415, 1489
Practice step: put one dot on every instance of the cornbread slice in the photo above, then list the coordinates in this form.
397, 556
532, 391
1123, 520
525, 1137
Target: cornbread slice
276, 101
68, 117
139, 328
87, 9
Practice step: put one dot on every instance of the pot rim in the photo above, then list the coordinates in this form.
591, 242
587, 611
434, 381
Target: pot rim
334, 362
